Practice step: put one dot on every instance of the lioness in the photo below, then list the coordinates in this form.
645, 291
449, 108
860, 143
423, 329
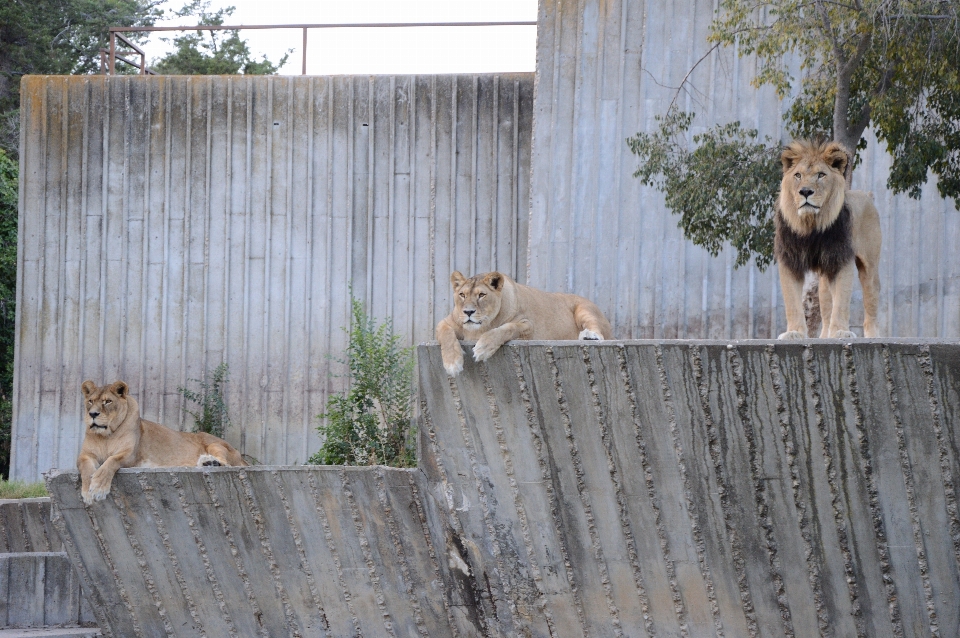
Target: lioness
117, 437
823, 227
493, 309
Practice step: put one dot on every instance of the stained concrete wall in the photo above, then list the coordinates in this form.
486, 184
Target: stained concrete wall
605, 70
649, 488
169, 224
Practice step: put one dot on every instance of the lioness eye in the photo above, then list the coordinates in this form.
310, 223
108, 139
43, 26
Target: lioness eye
107, 402
821, 175
481, 295
461, 296
796, 175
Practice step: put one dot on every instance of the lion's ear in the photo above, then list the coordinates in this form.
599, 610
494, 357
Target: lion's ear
790, 156
120, 389
494, 280
836, 156
457, 279
88, 388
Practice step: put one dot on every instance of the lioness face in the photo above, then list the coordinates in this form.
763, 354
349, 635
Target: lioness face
477, 300
813, 184
104, 408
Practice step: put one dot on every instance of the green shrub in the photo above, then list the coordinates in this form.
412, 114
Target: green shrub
22, 489
371, 422
212, 417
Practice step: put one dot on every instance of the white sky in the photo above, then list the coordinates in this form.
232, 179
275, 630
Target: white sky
382, 50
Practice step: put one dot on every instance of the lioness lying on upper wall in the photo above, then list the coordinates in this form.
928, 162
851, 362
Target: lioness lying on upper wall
492, 309
825, 228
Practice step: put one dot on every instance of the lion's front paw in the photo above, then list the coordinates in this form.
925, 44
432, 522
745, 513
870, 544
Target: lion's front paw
453, 364
590, 335
844, 334
792, 334
99, 488
484, 348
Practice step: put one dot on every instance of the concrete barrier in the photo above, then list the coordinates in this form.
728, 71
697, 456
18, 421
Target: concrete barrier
625, 488
25, 526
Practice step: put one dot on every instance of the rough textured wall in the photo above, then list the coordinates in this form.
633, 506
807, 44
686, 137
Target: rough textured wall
171, 224
605, 69
704, 488
626, 488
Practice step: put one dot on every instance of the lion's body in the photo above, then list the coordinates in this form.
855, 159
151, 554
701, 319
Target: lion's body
117, 437
492, 309
825, 228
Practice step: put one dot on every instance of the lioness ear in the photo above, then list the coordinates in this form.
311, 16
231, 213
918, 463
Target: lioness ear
494, 280
88, 388
120, 389
836, 156
457, 279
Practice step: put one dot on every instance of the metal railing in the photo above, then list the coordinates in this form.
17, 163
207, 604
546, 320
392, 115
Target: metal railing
109, 58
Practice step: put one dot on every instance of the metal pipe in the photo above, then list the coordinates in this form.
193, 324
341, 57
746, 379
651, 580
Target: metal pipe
304, 72
354, 25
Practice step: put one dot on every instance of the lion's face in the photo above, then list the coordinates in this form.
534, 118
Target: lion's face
813, 185
477, 300
104, 408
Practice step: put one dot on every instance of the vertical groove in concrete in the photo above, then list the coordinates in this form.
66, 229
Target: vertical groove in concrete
912, 498
679, 607
697, 532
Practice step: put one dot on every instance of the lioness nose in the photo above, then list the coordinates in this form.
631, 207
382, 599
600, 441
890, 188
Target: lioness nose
469, 312
94, 415
806, 192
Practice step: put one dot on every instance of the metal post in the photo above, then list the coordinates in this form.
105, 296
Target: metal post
304, 51
113, 53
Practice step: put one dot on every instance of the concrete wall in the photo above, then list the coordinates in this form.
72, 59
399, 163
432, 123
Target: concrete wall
171, 224
605, 69
626, 488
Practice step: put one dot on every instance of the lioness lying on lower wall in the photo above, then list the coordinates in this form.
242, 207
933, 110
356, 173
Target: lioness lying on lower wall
493, 309
117, 437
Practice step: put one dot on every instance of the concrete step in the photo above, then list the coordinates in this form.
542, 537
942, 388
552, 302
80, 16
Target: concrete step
54, 632
25, 526
40, 589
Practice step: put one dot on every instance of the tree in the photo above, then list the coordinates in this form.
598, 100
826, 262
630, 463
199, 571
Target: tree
60, 37
210, 52
890, 64
8, 298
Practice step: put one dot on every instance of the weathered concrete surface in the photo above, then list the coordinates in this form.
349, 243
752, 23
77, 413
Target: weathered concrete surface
704, 488
645, 488
25, 526
605, 70
40, 589
264, 551
169, 224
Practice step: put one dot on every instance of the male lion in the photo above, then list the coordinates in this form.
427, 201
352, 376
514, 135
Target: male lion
823, 227
493, 309
117, 437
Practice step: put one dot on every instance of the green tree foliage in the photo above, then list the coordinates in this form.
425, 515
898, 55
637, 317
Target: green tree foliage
8, 299
212, 417
60, 37
213, 52
893, 65
723, 190
371, 422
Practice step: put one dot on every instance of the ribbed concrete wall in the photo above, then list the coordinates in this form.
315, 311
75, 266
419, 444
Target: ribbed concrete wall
704, 488
264, 552
647, 488
605, 69
25, 526
171, 224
